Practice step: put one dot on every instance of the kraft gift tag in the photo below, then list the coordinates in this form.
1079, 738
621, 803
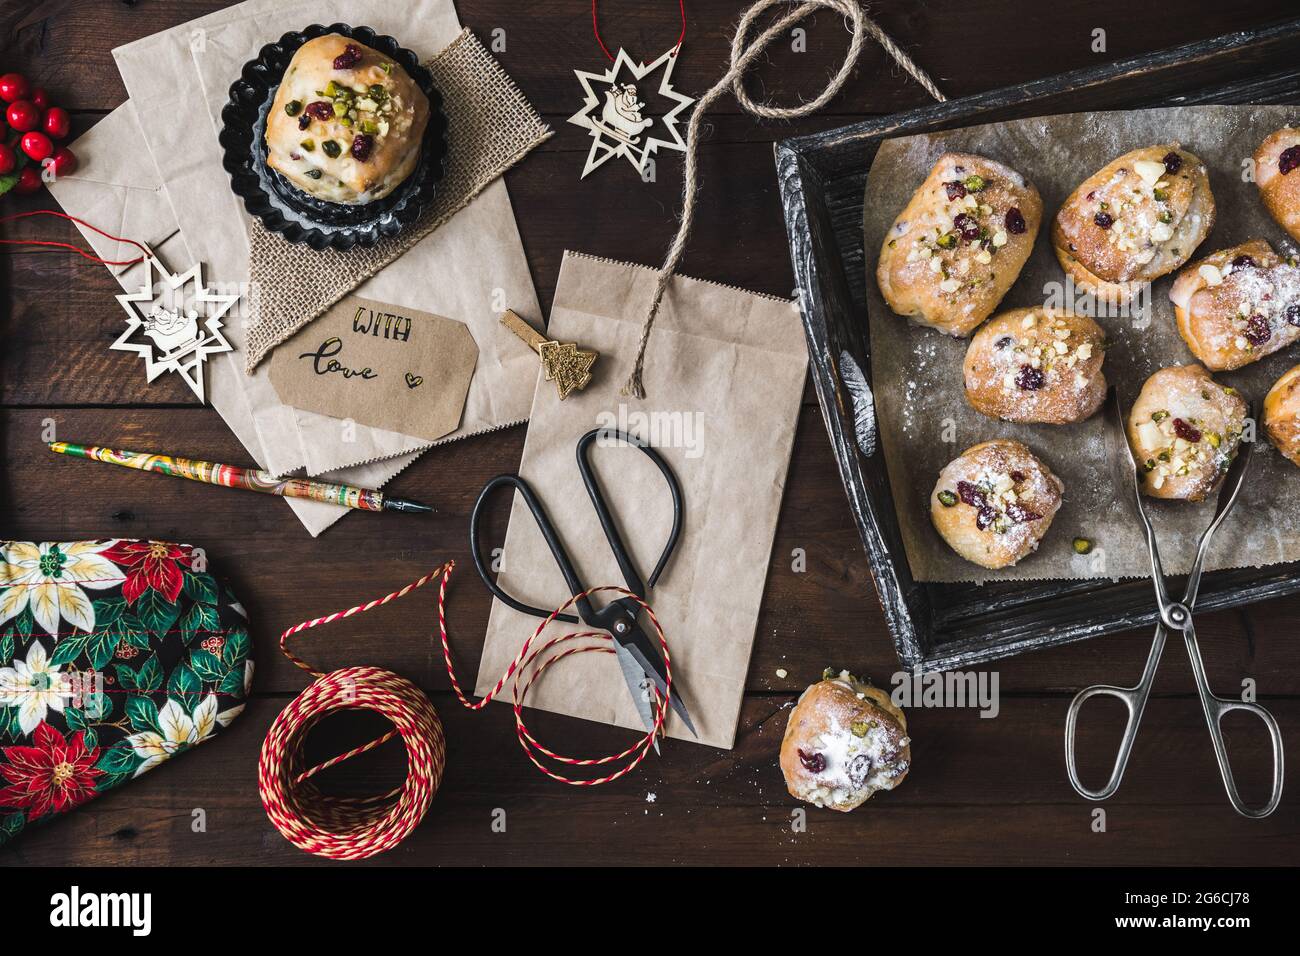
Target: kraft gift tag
381, 365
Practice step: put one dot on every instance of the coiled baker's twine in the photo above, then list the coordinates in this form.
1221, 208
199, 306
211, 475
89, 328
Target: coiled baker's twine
354, 828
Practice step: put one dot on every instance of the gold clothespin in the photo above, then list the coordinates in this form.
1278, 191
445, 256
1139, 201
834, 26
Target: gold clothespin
563, 363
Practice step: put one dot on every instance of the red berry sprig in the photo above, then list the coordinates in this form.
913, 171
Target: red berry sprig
29, 135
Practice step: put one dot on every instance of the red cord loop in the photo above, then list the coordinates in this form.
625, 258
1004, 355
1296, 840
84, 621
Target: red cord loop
595, 28
355, 828
144, 252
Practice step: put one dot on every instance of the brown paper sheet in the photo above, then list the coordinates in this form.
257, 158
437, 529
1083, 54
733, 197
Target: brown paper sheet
923, 415
725, 376
380, 365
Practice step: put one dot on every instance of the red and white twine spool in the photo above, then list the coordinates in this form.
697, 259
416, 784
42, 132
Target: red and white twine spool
355, 828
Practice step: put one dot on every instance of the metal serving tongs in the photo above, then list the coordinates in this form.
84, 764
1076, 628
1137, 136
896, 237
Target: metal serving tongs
1177, 616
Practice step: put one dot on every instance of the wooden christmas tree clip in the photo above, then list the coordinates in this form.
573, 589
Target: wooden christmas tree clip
563, 363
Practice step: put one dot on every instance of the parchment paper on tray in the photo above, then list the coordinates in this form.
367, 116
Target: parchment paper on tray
923, 415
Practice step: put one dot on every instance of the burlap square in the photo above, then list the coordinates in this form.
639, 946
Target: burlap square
491, 127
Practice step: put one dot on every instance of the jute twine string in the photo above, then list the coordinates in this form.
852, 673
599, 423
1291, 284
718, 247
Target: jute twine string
743, 55
349, 828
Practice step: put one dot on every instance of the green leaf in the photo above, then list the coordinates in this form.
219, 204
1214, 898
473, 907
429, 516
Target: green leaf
150, 676
108, 610
126, 678
90, 738
68, 649
155, 613
25, 624
132, 631
11, 826
143, 713
200, 617
97, 704
207, 666
10, 179
236, 648
7, 648
119, 759
199, 587
233, 683
185, 686
110, 780
9, 726
100, 646
75, 718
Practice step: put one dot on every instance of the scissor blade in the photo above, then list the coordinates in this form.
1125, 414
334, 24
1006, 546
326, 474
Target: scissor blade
652, 664
636, 681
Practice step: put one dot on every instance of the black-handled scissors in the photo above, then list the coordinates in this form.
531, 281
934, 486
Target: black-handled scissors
638, 657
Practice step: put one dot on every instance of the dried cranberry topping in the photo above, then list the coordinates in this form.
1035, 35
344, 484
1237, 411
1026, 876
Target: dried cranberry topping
967, 226
1015, 221
1185, 431
955, 190
1241, 262
1257, 331
1017, 476
971, 495
1289, 160
349, 58
361, 147
1020, 514
1292, 314
320, 109
858, 770
1173, 162
1003, 342
813, 763
1104, 220
1030, 379
985, 518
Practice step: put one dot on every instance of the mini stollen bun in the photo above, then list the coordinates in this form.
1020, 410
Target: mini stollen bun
347, 123
1238, 305
1138, 218
1036, 365
844, 741
994, 503
959, 245
1276, 163
1282, 415
1184, 430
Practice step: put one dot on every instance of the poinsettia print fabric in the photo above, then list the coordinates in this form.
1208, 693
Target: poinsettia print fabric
115, 656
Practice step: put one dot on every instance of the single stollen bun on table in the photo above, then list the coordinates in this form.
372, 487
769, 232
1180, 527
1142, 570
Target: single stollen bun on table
1184, 430
994, 502
1282, 415
347, 122
1138, 218
953, 253
1238, 305
844, 741
1276, 162
1036, 365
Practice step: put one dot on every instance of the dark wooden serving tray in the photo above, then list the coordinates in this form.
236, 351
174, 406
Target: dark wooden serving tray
822, 179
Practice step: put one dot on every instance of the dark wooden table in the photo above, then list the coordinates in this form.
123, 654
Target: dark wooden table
981, 791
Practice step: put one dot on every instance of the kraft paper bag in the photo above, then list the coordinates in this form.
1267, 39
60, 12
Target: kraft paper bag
724, 376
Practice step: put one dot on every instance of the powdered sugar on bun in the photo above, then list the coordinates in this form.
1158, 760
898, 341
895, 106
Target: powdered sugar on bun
844, 741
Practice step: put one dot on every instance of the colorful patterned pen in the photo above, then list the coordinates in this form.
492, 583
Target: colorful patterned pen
231, 476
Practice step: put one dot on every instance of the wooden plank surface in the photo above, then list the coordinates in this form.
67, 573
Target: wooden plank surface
981, 791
